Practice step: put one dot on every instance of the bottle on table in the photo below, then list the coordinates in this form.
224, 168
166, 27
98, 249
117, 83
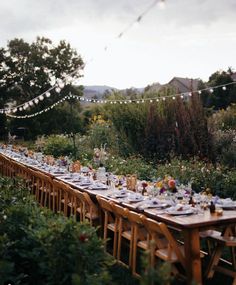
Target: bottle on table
212, 207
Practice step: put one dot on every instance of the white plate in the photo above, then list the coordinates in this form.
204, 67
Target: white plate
179, 213
135, 198
118, 194
84, 183
156, 205
97, 187
228, 206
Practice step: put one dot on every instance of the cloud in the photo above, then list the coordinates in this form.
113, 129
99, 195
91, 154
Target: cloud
160, 44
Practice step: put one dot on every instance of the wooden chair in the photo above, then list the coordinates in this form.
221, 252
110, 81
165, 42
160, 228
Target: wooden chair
124, 230
89, 208
43, 188
65, 199
226, 240
8, 167
24, 173
110, 222
163, 245
139, 238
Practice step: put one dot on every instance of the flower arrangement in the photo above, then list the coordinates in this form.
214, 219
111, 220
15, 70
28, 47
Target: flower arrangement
100, 155
168, 183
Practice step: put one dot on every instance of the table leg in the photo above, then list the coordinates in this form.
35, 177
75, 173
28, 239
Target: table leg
192, 255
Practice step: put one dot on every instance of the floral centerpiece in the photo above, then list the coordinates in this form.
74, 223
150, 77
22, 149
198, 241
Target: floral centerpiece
168, 183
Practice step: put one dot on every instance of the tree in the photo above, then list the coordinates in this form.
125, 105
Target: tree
219, 99
28, 70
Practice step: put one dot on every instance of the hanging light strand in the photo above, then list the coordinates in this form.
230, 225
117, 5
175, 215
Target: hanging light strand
42, 111
122, 101
57, 86
157, 99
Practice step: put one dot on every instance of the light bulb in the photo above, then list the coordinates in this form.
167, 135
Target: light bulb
224, 88
58, 89
48, 94
61, 84
41, 97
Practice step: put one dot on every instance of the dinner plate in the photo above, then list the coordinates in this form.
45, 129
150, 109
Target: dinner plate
155, 205
118, 194
133, 198
67, 178
84, 183
97, 187
228, 206
179, 213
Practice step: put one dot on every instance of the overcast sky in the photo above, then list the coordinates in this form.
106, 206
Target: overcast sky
188, 38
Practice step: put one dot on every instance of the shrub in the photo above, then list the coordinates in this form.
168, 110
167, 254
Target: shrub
58, 145
224, 142
131, 165
37, 247
201, 175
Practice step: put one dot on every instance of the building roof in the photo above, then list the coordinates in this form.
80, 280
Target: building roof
183, 85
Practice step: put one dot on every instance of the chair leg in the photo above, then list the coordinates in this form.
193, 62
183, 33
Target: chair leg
134, 251
105, 230
213, 262
115, 240
119, 239
131, 248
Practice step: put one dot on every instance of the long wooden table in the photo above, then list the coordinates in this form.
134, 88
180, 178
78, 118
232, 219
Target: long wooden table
190, 225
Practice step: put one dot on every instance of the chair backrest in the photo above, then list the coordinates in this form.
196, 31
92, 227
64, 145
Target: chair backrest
89, 207
135, 218
60, 196
159, 230
104, 204
119, 211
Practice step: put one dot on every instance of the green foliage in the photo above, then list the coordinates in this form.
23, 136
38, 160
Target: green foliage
222, 125
58, 145
28, 70
38, 247
101, 134
160, 276
223, 119
219, 99
160, 130
201, 175
131, 165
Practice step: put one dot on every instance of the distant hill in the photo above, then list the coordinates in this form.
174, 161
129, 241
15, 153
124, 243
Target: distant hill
97, 91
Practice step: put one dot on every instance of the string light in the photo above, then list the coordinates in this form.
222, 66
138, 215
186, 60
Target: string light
121, 101
60, 83
40, 112
68, 79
